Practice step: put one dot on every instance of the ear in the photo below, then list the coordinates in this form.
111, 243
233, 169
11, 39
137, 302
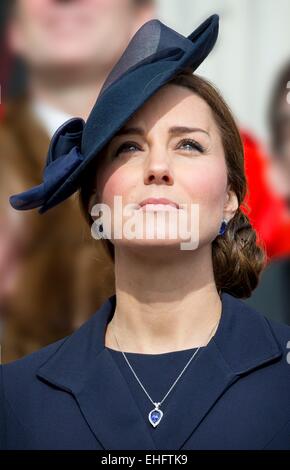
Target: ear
231, 204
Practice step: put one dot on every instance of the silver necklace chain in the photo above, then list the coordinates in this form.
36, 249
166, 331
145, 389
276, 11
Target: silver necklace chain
155, 419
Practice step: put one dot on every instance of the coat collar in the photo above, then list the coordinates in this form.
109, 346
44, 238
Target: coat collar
83, 366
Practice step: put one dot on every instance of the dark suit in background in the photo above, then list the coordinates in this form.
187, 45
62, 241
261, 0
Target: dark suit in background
272, 296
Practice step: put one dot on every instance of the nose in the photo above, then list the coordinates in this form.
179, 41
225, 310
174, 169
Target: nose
158, 170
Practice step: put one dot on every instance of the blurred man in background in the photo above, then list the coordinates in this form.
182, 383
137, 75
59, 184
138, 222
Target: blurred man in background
58, 275
272, 295
279, 120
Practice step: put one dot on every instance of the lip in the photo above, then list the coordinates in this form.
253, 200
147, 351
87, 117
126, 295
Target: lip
160, 200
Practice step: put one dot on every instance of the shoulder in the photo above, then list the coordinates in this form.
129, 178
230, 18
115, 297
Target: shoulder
251, 341
19, 384
281, 333
22, 371
280, 330
255, 318
70, 352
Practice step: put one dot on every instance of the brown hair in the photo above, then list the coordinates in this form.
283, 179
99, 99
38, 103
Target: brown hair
237, 257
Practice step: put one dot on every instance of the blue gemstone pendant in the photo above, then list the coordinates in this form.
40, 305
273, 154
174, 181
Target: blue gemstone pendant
155, 415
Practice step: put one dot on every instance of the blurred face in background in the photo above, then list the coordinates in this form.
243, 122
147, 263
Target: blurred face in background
281, 162
74, 33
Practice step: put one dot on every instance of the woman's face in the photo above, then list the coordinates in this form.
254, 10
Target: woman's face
171, 148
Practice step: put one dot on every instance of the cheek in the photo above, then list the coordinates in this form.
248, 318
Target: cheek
205, 182
116, 183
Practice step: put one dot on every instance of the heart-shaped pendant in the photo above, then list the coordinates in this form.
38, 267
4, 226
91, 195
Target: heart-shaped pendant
155, 415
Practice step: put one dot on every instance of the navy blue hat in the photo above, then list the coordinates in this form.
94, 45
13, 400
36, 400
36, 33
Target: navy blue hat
154, 55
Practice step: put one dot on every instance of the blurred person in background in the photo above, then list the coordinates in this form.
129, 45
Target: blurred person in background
55, 281
13, 239
273, 294
279, 120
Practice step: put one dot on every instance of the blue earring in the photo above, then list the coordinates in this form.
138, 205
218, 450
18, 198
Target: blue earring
98, 231
101, 231
223, 227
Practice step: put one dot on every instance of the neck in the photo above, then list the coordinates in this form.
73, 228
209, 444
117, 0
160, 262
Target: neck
164, 303
73, 92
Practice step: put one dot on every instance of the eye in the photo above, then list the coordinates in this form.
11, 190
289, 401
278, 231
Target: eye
127, 147
190, 145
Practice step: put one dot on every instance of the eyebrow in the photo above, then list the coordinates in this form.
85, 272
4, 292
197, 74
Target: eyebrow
176, 130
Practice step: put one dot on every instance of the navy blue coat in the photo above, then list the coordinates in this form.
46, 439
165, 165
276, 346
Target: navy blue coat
72, 395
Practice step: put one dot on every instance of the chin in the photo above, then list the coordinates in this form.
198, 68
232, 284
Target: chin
155, 247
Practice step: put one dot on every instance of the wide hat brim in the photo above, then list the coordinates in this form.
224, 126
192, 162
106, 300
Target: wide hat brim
154, 56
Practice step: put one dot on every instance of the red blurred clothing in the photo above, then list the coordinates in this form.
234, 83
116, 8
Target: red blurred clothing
267, 211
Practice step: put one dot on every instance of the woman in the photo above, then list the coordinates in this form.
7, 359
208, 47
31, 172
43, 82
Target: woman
174, 360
